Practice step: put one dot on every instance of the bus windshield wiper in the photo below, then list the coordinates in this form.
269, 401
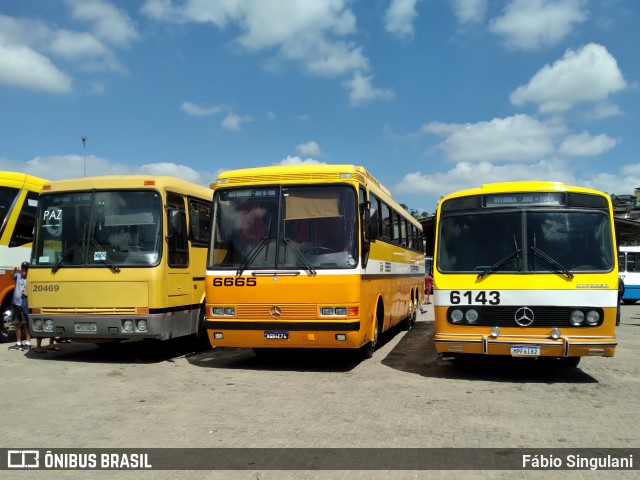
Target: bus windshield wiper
300, 255
559, 267
253, 253
502, 261
79, 241
58, 264
107, 260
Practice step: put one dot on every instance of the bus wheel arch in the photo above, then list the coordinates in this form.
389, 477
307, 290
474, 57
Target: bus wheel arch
375, 331
7, 332
202, 341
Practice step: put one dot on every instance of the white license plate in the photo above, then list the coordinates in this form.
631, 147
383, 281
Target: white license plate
83, 327
276, 335
525, 351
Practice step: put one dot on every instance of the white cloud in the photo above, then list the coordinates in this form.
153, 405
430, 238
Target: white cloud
468, 175
531, 24
199, 110
519, 138
109, 23
362, 90
59, 167
309, 33
234, 122
305, 31
604, 110
21, 66
590, 74
176, 170
585, 144
399, 17
309, 148
28, 47
470, 11
295, 160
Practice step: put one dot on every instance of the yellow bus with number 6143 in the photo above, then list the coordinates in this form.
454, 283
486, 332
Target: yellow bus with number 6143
526, 269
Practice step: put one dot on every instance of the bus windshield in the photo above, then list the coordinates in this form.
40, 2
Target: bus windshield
8, 196
285, 227
124, 229
562, 241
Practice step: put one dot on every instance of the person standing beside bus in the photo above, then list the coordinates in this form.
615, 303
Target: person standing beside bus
428, 287
21, 308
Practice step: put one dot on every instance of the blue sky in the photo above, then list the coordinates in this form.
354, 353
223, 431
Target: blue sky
431, 96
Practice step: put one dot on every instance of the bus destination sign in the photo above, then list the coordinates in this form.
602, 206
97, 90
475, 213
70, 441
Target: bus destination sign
529, 198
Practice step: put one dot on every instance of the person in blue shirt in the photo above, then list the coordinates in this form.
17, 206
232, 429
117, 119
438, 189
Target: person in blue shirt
21, 308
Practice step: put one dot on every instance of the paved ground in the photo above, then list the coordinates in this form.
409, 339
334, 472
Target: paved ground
166, 395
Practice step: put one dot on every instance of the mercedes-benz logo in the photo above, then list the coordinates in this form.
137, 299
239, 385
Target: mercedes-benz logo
524, 316
276, 312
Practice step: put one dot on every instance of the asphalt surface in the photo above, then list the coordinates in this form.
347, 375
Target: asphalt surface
157, 395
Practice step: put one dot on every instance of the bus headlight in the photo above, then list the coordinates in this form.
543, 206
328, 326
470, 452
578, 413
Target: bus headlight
230, 311
456, 315
577, 318
142, 325
127, 326
471, 316
593, 317
37, 324
48, 325
217, 311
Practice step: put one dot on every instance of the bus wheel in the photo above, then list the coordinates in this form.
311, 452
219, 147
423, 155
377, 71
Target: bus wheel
368, 348
629, 301
7, 330
569, 362
109, 344
411, 318
202, 341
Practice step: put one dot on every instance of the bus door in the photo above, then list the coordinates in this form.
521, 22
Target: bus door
178, 273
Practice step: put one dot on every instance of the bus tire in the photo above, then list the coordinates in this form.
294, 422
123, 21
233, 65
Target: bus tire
202, 341
411, 318
109, 344
629, 301
367, 350
7, 330
570, 362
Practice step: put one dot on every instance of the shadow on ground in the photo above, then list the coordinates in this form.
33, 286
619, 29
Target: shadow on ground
415, 353
130, 351
285, 359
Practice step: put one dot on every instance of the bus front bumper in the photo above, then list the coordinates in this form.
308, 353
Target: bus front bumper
91, 328
512, 345
285, 334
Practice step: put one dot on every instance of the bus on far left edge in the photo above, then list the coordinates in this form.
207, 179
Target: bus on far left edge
18, 204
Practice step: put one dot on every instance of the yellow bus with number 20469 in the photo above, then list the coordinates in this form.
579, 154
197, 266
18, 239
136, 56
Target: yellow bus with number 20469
526, 269
120, 257
312, 256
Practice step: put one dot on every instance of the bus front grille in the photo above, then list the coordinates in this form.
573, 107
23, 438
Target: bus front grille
506, 316
270, 311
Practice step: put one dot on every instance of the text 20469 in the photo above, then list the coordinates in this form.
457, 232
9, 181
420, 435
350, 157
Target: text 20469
46, 288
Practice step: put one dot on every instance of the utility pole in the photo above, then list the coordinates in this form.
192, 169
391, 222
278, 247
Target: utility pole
84, 145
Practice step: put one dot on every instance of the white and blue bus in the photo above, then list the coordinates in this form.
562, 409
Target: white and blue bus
629, 269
